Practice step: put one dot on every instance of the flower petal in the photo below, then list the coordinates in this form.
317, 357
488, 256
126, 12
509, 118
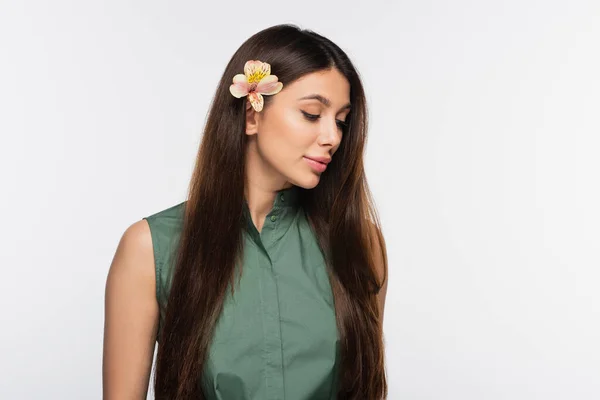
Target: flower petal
250, 67
256, 100
239, 89
266, 69
269, 85
256, 70
239, 78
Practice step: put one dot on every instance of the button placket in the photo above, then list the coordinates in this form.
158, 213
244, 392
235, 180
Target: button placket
269, 230
272, 344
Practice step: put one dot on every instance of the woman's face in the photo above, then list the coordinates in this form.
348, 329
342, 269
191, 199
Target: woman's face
302, 121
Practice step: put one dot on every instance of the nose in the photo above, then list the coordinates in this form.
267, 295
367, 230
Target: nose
330, 133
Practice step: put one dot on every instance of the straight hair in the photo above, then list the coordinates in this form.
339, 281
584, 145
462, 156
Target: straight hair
340, 210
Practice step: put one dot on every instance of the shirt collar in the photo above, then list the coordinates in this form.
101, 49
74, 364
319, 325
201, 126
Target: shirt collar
282, 213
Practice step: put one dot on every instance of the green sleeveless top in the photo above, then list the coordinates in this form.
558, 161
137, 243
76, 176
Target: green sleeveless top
276, 337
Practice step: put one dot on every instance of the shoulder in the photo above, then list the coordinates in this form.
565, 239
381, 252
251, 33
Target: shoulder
141, 241
134, 255
165, 226
137, 236
173, 215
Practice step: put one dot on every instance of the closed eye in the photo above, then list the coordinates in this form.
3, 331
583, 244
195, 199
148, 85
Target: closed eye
313, 117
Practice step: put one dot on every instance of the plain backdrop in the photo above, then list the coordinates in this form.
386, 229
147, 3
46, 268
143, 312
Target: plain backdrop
482, 158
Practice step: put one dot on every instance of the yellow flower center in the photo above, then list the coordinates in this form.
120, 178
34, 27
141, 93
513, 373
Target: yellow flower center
256, 76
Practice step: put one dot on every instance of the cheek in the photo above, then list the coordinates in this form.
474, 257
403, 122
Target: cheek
288, 136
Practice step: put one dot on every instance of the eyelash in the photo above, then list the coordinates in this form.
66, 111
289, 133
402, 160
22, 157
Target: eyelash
312, 117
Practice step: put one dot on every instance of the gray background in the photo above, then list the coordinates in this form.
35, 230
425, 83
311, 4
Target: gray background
483, 159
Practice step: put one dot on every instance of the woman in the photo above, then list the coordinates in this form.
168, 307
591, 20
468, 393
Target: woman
269, 281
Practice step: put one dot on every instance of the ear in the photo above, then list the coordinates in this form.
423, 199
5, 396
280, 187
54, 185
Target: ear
251, 119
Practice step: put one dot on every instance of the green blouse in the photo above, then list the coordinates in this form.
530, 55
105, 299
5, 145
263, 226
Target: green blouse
276, 337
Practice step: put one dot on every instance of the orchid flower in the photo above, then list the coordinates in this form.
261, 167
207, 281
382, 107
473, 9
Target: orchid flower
255, 82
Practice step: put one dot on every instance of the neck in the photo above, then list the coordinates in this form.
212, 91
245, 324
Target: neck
261, 185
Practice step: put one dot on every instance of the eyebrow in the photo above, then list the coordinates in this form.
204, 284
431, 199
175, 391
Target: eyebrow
323, 100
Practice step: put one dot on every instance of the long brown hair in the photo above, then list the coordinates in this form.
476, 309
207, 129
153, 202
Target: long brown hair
340, 210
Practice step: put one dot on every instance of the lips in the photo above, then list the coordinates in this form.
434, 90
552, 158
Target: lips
322, 160
317, 166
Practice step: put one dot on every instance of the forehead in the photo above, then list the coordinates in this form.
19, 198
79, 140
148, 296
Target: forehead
329, 83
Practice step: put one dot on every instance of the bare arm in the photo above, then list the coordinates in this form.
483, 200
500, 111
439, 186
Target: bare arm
130, 317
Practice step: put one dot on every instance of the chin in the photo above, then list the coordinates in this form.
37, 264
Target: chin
308, 182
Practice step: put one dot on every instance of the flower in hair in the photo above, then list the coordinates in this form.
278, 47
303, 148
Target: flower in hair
255, 82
